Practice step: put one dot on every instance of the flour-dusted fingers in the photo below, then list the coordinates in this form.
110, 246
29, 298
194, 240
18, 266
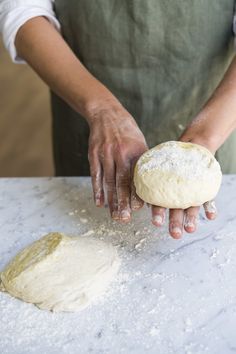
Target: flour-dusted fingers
113, 205
110, 185
176, 221
119, 141
158, 215
123, 189
190, 219
96, 173
210, 210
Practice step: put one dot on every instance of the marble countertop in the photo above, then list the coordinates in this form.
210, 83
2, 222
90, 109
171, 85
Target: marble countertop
170, 296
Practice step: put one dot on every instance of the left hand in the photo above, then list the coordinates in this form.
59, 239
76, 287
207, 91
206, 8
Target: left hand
180, 219
211, 127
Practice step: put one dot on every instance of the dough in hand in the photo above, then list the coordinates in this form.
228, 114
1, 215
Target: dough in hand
177, 175
61, 273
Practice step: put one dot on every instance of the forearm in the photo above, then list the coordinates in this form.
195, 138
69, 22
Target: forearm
217, 120
49, 55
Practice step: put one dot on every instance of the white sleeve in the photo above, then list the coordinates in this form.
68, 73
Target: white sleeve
14, 13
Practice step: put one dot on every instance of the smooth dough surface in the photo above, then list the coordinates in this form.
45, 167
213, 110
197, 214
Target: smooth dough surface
177, 175
61, 273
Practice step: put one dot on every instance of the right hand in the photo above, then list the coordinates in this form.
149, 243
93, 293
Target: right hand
115, 144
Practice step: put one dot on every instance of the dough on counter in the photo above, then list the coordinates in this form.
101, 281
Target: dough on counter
61, 273
177, 175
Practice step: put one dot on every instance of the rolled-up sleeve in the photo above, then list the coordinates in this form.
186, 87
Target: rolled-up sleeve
14, 13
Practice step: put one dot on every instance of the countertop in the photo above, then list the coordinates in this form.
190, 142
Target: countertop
170, 296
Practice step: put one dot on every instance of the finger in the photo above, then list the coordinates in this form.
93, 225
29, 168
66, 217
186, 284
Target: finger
210, 210
176, 220
190, 219
97, 178
158, 215
136, 203
123, 188
110, 185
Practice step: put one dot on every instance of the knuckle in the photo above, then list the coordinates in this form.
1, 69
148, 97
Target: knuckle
123, 182
123, 178
122, 151
107, 147
93, 152
121, 147
95, 175
110, 183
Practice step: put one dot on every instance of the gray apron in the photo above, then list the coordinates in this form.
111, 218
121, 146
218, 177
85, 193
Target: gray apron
161, 59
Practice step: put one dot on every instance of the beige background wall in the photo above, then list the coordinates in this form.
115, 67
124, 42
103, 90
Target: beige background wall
25, 121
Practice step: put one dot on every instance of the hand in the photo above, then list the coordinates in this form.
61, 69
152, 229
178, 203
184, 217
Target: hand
115, 144
210, 128
180, 219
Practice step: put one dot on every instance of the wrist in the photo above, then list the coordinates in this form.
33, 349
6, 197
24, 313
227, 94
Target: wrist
106, 108
211, 146
209, 128
208, 139
95, 107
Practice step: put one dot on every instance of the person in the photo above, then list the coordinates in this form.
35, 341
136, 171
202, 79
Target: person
125, 75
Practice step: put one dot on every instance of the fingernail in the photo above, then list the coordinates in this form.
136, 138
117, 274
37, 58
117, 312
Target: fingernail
125, 215
97, 202
115, 215
158, 219
210, 207
176, 230
189, 224
136, 206
135, 203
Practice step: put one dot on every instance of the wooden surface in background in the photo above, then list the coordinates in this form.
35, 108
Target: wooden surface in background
25, 121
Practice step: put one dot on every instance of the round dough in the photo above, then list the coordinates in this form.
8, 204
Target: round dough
177, 175
61, 273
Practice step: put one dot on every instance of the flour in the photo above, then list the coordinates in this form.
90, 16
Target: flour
184, 162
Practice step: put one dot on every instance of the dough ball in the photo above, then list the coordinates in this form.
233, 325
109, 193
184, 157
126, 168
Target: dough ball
177, 175
61, 273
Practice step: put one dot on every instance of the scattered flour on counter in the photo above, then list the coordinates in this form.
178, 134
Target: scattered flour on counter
88, 233
188, 325
160, 288
83, 220
214, 254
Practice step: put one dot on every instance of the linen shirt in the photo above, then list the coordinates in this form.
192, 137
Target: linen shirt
14, 13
